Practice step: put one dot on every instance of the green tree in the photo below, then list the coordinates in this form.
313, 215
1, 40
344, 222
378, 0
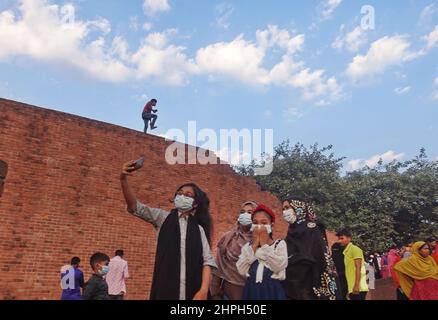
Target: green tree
383, 206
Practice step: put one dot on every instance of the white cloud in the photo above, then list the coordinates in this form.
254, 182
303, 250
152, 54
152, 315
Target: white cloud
383, 53
292, 113
427, 13
239, 59
400, 75
151, 7
352, 41
354, 165
134, 24
324, 11
372, 162
431, 39
386, 157
402, 90
53, 34
273, 36
147, 26
156, 59
244, 60
329, 7
223, 14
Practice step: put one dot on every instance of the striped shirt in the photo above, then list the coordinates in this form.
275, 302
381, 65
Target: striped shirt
117, 275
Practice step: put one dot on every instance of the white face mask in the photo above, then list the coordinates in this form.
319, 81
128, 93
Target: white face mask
259, 226
290, 216
183, 203
245, 219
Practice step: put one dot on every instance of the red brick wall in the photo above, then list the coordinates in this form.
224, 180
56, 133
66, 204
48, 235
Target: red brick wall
63, 198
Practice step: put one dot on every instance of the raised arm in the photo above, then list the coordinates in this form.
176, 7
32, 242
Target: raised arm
128, 193
154, 216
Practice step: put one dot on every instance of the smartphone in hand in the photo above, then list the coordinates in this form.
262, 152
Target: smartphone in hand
138, 164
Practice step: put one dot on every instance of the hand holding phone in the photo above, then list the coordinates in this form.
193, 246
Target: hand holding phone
132, 166
138, 164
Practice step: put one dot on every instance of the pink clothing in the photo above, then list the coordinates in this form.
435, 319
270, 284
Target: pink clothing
117, 275
425, 290
393, 258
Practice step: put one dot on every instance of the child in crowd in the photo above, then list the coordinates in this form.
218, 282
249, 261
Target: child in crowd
97, 288
263, 260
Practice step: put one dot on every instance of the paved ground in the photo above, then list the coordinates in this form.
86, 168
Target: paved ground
385, 290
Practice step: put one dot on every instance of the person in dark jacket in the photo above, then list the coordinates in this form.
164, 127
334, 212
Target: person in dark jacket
310, 274
97, 288
338, 259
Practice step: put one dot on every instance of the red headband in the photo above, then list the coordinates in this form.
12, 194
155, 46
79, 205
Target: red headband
264, 208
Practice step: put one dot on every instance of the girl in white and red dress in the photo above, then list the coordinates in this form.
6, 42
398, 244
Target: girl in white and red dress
264, 260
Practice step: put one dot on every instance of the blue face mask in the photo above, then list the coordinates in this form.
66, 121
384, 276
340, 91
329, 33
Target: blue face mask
183, 203
104, 271
267, 226
245, 219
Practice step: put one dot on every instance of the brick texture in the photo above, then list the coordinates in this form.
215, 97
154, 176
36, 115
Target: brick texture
63, 198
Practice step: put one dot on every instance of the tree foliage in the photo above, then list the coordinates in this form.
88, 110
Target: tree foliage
386, 205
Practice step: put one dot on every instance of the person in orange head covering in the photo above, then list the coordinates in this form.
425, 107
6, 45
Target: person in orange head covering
418, 275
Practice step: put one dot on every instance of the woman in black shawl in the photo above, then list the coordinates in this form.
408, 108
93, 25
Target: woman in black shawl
310, 274
183, 259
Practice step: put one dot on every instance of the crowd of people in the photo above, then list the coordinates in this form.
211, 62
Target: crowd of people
412, 268
251, 263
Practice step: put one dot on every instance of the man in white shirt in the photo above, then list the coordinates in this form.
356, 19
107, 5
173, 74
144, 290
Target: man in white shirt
116, 276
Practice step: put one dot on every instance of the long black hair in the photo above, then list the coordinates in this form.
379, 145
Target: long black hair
202, 213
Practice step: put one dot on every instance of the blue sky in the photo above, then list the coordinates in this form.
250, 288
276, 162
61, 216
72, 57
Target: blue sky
309, 70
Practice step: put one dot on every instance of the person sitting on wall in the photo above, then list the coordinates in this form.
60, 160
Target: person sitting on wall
3, 174
148, 116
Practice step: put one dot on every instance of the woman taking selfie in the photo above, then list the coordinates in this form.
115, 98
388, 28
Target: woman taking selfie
183, 259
